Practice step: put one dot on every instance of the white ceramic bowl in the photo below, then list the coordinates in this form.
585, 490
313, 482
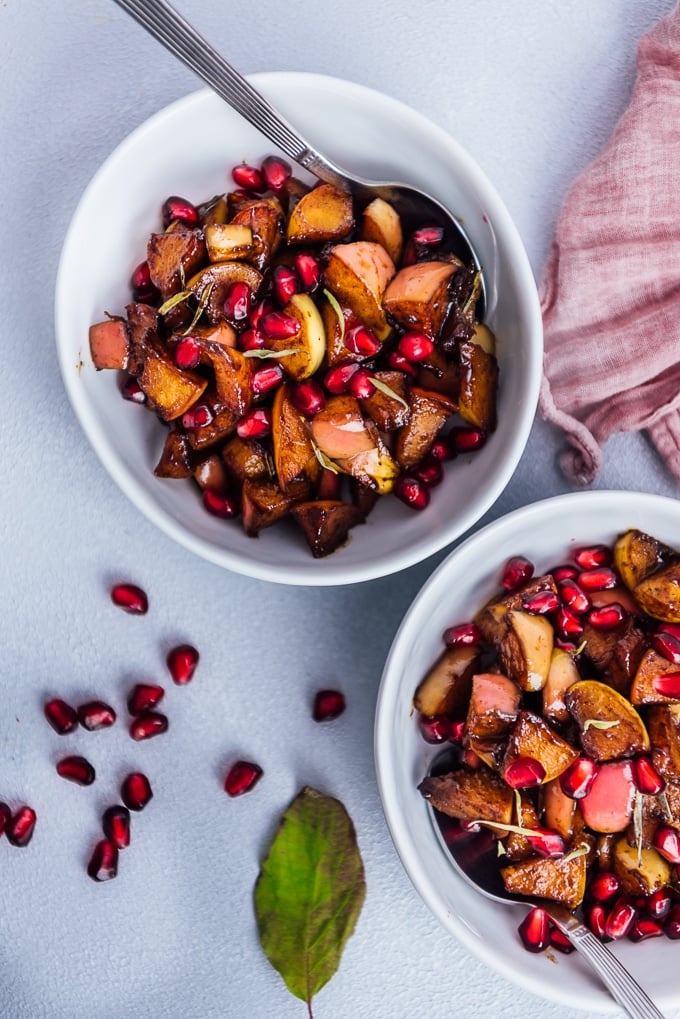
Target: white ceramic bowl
544, 532
189, 149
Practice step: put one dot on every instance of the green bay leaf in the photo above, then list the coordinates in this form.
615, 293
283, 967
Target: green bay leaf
309, 892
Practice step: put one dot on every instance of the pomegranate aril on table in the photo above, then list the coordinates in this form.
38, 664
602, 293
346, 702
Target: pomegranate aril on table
5, 817
136, 791
130, 598
95, 715
182, 662
61, 716
328, 704
241, 778
116, 826
76, 769
148, 725
143, 697
20, 827
103, 865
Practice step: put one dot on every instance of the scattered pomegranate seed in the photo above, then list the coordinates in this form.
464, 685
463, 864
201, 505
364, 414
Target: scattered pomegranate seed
219, 504
516, 572
534, 930
667, 646
20, 828
605, 886
259, 310
103, 865
360, 385
462, 635
241, 778
666, 841
130, 598
467, 439
360, 340
435, 728
256, 424
337, 379
264, 380
415, 346
275, 172
457, 731
143, 697
620, 919
131, 391
76, 769
429, 471
646, 777
182, 661
560, 941
546, 843
187, 353
397, 362
668, 685
5, 817
278, 326
564, 572
523, 773
61, 716
148, 725
252, 339
328, 704
309, 271
116, 826
412, 492
308, 397
568, 623
574, 597
176, 208
596, 918
441, 450
136, 791
591, 556
644, 928
598, 579
237, 302
659, 904
96, 715
577, 779
541, 603
286, 283
198, 416
248, 177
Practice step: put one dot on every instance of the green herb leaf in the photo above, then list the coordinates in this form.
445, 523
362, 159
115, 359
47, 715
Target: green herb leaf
202, 301
663, 800
598, 723
329, 465
263, 353
171, 302
388, 391
518, 806
579, 650
332, 300
516, 828
500, 849
573, 854
309, 893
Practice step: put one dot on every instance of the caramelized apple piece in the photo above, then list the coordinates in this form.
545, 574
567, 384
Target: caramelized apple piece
233, 372
663, 723
339, 430
212, 474
525, 651
659, 594
176, 460
562, 674
326, 524
418, 296
169, 391
608, 807
439, 374
492, 617
364, 497
293, 449
228, 241
110, 343
470, 795
427, 413
336, 351
652, 665
493, 706
358, 274
388, 412
142, 320
531, 736
478, 385
174, 256
220, 278
219, 429
637, 555
323, 214
591, 702
264, 218
642, 871
560, 880
445, 690
381, 224
245, 458
263, 503
309, 343
560, 812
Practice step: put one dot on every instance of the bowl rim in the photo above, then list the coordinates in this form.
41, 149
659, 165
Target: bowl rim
386, 705
332, 572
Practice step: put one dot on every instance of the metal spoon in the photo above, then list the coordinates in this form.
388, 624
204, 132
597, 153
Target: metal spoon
167, 26
476, 861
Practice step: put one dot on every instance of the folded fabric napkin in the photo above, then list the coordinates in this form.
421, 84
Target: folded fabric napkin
611, 290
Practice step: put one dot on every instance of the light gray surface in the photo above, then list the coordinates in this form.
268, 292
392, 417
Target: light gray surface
532, 90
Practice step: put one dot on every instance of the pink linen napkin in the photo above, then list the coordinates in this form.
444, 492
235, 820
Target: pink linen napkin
610, 295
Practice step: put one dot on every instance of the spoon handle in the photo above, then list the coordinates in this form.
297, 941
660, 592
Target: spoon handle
168, 27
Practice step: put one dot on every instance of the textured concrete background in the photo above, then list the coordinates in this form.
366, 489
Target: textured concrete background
532, 90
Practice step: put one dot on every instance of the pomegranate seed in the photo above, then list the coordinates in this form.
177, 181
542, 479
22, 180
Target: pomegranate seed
516, 572
596, 918
76, 769
568, 623
278, 326
103, 863
264, 380
309, 271
563, 572
659, 904
116, 826
258, 312
148, 725
143, 697
248, 177
643, 928
672, 628
667, 842
255, 425
412, 492
182, 661
577, 779
5, 817
328, 486
337, 380
130, 598
415, 346
20, 828
598, 579
328, 704
187, 353
457, 731
605, 886
136, 791
470, 827
131, 391
667, 646
441, 450
462, 635
591, 556
286, 283
534, 930
61, 716
397, 362
608, 617
467, 439
276, 172
646, 777
524, 773
96, 715
360, 340
241, 778
252, 339
435, 728
428, 236
620, 919
541, 603
360, 385
141, 277
237, 302
308, 397
574, 597
219, 504
668, 685
560, 941
176, 208
546, 843
567, 645
197, 416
